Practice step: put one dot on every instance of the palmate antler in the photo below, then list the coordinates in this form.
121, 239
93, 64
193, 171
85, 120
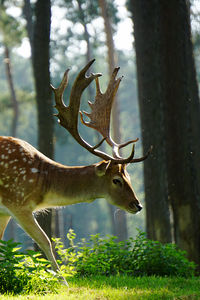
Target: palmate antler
99, 116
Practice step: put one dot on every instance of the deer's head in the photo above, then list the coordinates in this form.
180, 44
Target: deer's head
116, 183
112, 171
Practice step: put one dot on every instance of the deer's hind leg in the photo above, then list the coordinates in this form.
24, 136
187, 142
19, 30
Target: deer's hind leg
3, 223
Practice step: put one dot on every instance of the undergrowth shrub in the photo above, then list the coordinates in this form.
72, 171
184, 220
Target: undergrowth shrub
23, 273
134, 257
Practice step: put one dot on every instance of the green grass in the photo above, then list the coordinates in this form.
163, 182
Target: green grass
122, 287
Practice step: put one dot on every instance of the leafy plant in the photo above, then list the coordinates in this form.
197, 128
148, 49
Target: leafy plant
22, 273
9, 258
137, 257
154, 258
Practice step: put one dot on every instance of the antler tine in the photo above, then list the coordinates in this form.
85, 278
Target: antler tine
59, 91
127, 143
139, 159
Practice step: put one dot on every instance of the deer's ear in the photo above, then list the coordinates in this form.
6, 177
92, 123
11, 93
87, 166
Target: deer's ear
102, 167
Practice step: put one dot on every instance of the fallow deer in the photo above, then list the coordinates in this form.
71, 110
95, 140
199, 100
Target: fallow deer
29, 181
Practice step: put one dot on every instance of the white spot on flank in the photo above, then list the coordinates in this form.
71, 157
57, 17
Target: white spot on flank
34, 170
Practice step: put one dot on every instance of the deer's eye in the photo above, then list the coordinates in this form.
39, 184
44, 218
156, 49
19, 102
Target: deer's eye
118, 181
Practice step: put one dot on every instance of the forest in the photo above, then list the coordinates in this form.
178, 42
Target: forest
156, 45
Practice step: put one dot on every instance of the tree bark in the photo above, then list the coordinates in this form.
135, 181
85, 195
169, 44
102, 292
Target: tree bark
27, 11
120, 222
41, 57
147, 22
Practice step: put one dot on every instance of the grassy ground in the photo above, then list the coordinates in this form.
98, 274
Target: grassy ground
127, 288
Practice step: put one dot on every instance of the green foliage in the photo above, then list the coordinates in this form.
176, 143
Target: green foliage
84, 12
11, 30
9, 258
137, 257
154, 258
24, 273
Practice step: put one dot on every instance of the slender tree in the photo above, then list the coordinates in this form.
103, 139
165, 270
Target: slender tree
38, 29
120, 216
11, 34
13, 97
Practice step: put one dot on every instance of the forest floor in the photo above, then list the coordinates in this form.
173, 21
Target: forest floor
122, 287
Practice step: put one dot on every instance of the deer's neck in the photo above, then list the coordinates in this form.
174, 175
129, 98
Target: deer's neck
70, 185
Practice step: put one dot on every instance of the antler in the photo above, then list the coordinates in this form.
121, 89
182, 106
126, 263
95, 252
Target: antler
101, 112
100, 115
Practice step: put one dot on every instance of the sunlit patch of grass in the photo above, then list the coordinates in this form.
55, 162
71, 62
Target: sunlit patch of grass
122, 287
144, 287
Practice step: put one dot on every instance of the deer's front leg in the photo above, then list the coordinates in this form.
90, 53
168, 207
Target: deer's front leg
26, 220
3, 223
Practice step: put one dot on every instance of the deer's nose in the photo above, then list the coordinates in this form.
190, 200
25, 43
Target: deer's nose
139, 206
134, 205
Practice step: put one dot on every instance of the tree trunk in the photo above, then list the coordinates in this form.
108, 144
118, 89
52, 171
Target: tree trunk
13, 98
120, 220
27, 11
13, 129
40, 58
182, 116
175, 78
147, 32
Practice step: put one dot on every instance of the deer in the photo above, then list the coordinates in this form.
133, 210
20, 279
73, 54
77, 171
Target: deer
31, 182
